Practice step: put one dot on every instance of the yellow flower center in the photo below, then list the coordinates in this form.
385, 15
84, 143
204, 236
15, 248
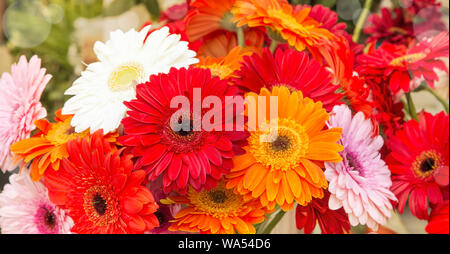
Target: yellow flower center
279, 147
217, 202
62, 132
426, 163
410, 58
125, 76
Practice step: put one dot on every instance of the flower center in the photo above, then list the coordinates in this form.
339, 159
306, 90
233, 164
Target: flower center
407, 59
62, 132
45, 220
125, 77
184, 138
220, 70
217, 202
100, 206
279, 146
426, 163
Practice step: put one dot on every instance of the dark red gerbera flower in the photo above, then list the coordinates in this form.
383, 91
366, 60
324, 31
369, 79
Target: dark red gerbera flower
98, 188
330, 221
404, 69
386, 28
288, 68
438, 221
418, 152
190, 155
175, 13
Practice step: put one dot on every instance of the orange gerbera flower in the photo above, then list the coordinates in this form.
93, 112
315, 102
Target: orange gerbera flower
211, 21
224, 67
284, 158
217, 211
296, 27
48, 147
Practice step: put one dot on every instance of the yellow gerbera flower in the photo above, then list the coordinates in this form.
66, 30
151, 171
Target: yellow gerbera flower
296, 27
216, 211
288, 167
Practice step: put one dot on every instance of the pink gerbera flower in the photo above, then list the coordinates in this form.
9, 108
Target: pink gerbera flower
26, 209
20, 106
361, 182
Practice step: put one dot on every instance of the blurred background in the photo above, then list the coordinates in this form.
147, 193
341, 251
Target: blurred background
62, 33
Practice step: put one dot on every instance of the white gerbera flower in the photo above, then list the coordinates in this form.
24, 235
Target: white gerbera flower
125, 60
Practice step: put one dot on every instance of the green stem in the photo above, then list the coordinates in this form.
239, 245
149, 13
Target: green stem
240, 37
274, 222
411, 107
361, 20
439, 98
273, 46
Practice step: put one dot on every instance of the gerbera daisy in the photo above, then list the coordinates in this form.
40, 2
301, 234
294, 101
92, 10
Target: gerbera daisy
405, 68
212, 20
48, 147
224, 67
288, 168
186, 156
20, 105
296, 27
100, 189
165, 212
317, 211
339, 58
361, 182
125, 60
438, 221
217, 211
289, 68
386, 28
26, 209
418, 151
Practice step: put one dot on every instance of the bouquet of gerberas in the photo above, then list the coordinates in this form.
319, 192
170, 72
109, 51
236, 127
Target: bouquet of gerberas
230, 114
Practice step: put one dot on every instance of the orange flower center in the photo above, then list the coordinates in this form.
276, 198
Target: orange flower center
426, 163
100, 206
217, 202
407, 59
62, 132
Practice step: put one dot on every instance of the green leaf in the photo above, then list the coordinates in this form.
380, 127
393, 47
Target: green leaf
327, 3
152, 7
118, 7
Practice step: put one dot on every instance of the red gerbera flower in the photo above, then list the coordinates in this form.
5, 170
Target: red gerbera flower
98, 188
181, 157
339, 58
399, 66
386, 28
288, 68
419, 151
330, 221
438, 222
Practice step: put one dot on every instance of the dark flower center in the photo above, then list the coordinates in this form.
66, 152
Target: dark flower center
99, 204
217, 196
282, 143
49, 219
186, 128
427, 165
